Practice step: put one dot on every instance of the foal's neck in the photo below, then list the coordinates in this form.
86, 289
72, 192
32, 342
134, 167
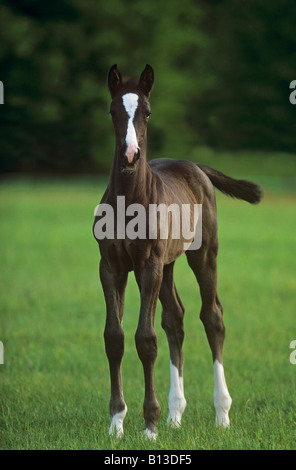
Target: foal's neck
134, 186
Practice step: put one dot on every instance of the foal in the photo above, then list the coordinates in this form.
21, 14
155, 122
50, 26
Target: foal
161, 181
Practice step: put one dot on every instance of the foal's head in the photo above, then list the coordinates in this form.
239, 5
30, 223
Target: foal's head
130, 110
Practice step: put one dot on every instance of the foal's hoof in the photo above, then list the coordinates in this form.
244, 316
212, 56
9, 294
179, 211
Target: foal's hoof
222, 421
152, 436
222, 404
174, 421
177, 405
116, 433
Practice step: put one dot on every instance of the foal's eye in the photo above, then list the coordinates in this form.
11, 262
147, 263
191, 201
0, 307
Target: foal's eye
148, 114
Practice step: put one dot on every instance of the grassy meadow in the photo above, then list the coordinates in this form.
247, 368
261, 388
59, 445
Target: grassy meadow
54, 383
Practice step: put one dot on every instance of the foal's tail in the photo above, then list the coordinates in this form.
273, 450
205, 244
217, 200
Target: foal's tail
240, 189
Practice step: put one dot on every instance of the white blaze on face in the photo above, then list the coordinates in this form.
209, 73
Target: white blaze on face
130, 103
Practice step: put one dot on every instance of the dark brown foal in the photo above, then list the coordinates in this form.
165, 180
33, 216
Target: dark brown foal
139, 244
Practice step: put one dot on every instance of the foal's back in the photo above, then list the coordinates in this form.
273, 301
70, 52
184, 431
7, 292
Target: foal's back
185, 180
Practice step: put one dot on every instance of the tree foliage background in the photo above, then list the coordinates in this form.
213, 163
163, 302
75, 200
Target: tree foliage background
222, 69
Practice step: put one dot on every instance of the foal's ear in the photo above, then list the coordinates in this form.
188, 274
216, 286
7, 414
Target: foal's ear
114, 80
146, 80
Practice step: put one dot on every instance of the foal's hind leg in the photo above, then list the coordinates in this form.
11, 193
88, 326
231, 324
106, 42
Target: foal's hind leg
172, 323
204, 265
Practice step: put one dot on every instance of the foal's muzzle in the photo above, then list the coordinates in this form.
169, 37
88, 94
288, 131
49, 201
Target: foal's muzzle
129, 162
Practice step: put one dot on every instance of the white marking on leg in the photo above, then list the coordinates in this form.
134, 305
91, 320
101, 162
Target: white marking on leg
177, 402
150, 434
116, 428
130, 102
222, 399
181, 385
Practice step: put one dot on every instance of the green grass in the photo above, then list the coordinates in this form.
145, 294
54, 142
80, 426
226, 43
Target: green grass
54, 385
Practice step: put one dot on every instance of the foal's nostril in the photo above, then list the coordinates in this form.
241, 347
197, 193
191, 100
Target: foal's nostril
131, 151
130, 157
131, 162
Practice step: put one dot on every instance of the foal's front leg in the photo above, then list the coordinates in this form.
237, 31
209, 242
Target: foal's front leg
149, 280
114, 284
